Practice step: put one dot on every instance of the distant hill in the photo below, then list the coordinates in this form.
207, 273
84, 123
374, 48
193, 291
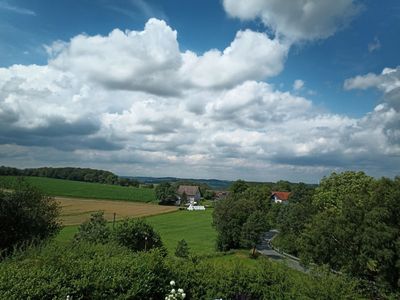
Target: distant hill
215, 184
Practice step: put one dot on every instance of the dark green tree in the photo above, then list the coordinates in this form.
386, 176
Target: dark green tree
232, 213
137, 235
356, 228
282, 186
239, 186
252, 230
184, 198
94, 230
26, 215
165, 193
182, 249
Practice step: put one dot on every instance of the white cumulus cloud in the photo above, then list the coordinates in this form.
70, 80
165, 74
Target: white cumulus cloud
296, 20
133, 103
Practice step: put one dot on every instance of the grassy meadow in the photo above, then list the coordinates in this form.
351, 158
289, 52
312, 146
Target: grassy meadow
79, 189
193, 226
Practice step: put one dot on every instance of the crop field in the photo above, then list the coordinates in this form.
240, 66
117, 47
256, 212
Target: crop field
193, 226
76, 211
79, 189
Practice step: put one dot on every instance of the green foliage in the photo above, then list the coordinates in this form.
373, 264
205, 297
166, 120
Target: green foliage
26, 215
334, 189
182, 249
84, 271
356, 228
291, 219
71, 173
264, 280
283, 186
165, 193
255, 225
232, 213
109, 271
94, 230
209, 195
239, 186
137, 235
184, 198
76, 189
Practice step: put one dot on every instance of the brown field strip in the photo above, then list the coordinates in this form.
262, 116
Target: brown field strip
75, 211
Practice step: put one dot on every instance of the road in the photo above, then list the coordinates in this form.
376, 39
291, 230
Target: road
266, 249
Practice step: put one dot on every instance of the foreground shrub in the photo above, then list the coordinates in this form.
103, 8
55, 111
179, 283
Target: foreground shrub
84, 271
26, 215
264, 280
94, 230
96, 271
137, 235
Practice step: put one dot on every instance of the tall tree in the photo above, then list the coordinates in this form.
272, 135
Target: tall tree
26, 214
165, 193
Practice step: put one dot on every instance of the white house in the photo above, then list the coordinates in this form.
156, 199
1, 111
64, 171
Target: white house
192, 193
280, 197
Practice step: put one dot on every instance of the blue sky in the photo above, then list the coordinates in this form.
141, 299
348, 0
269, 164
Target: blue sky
329, 51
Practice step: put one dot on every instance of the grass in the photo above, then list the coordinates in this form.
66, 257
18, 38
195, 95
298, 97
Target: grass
193, 226
79, 189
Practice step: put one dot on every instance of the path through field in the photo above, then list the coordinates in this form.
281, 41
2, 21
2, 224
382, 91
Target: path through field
74, 211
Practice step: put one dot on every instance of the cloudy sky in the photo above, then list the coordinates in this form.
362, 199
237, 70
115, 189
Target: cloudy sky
254, 89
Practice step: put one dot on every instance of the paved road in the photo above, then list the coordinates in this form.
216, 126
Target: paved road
266, 249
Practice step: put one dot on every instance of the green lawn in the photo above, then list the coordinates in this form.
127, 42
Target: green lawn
193, 226
79, 189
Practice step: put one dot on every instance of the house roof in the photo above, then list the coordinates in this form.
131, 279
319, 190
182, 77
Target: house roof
190, 190
281, 195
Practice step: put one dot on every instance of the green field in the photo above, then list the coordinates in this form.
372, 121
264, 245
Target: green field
193, 226
79, 189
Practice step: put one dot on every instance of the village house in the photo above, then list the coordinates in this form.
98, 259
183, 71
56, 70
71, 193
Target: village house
280, 197
220, 195
192, 193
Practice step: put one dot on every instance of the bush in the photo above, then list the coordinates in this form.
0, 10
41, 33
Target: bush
26, 215
109, 271
137, 235
84, 271
94, 230
182, 249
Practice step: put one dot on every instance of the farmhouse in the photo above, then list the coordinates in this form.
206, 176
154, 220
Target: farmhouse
280, 197
220, 195
192, 193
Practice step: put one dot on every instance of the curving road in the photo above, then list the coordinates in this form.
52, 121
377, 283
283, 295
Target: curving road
266, 249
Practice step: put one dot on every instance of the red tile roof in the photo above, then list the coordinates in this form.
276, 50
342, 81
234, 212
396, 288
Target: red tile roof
284, 196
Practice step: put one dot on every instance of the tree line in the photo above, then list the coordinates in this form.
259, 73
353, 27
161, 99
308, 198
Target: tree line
349, 223
71, 173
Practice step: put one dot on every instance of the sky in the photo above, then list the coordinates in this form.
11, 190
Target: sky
260, 90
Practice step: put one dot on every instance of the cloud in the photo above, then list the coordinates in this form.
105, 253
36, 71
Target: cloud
147, 61
385, 119
296, 20
137, 9
298, 84
374, 46
387, 81
4, 5
150, 60
133, 103
251, 56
